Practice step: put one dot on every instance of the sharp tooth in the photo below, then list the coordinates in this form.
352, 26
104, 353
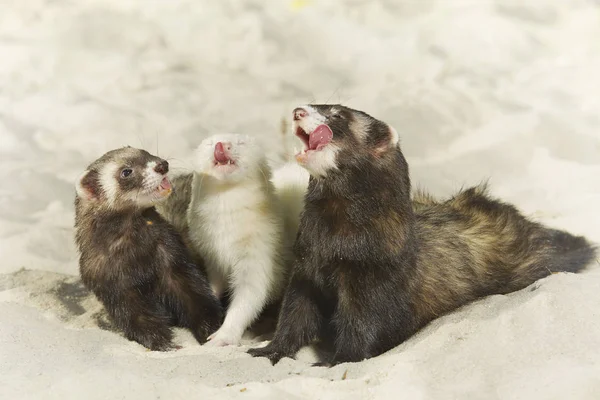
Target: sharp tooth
229, 162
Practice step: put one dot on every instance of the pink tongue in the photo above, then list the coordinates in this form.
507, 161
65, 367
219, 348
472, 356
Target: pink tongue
320, 137
220, 155
165, 184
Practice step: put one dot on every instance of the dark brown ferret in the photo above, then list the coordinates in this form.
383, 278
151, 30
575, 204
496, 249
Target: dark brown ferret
133, 260
373, 267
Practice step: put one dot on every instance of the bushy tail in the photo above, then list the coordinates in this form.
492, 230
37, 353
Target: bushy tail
528, 250
568, 253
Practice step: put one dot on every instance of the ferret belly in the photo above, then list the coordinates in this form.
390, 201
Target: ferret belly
232, 232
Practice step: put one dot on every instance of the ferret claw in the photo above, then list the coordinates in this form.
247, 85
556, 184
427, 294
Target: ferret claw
273, 356
219, 339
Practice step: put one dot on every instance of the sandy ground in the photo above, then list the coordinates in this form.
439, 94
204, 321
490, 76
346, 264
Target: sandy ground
500, 90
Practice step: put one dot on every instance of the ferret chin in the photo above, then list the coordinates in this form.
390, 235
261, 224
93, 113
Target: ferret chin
132, 259
235, 223
373, 266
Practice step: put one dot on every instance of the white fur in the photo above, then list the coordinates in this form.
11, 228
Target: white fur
152, 178
395, 138
235, 224
149, 195
291, 182
244, 151
108, 182
359, 127
320, 162
312, 120
317, 162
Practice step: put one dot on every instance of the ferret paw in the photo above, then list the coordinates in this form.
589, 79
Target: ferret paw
159, 345
273, 355
326, 364
160, 340
222, 338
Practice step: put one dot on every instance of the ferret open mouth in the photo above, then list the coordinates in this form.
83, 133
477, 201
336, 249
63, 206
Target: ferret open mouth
320, 137
223, 163
165, 188
221, 158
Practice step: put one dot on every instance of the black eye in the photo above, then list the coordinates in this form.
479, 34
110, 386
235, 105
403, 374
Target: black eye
126, 172
335, 116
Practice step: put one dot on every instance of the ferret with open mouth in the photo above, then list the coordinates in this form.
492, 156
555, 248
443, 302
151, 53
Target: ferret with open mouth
132, 259
371, 267
235, 224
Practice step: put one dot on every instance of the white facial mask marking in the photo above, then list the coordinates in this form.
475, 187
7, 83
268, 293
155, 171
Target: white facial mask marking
108, 182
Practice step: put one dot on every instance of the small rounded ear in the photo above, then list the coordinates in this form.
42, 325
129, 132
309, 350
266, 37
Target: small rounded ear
88, 185
390, 141
394, 137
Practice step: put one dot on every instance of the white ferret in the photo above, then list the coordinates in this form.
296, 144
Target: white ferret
291, 182
243, 226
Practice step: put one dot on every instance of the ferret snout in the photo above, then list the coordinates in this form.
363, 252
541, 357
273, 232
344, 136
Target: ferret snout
221, 151
222, 146
299, 113
162, 167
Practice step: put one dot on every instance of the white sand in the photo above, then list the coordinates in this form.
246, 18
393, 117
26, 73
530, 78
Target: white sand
507, 90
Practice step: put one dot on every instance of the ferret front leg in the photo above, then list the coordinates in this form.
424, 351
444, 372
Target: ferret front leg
300, 321
142, 320
194, 303
355, 338
250, 287
362, 323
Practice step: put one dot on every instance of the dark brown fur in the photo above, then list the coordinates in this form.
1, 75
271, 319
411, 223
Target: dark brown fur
174, 208
373, 266
136, 263
489, 248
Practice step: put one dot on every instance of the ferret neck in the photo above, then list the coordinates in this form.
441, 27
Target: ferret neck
375, 189
106, 211
207, 183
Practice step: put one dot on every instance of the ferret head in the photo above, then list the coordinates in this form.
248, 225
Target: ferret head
125, 178
335, 137
229, 157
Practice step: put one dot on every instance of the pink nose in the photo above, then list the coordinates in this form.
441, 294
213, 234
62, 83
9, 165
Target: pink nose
299, 113
220, 154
